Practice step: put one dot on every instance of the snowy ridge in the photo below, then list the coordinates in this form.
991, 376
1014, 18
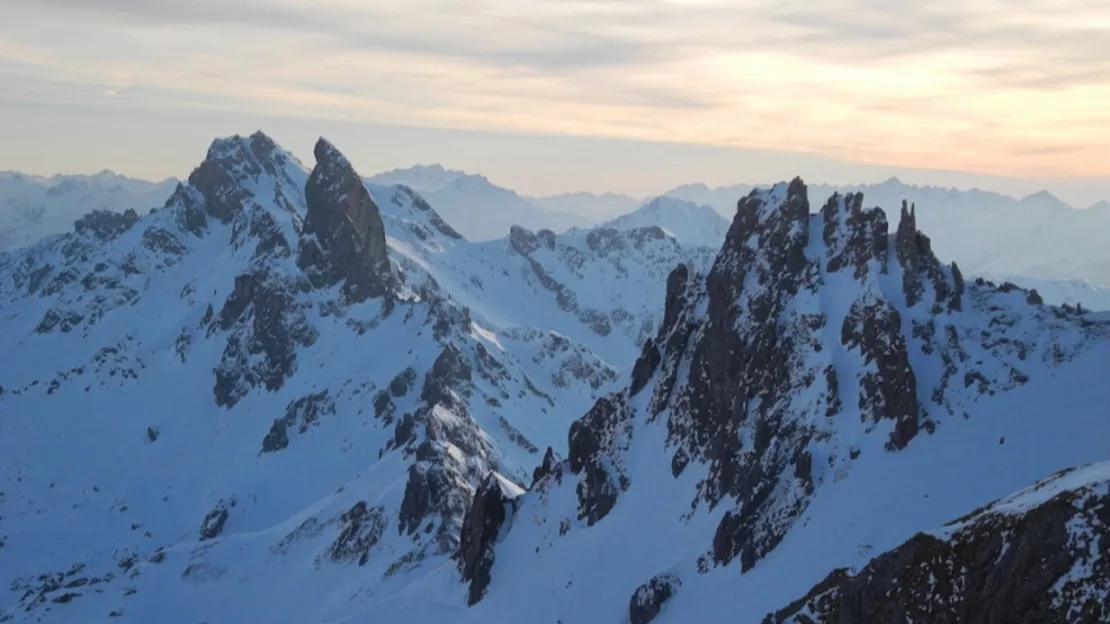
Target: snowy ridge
690, 223
477, 208
797, 390
32, 207
236, 387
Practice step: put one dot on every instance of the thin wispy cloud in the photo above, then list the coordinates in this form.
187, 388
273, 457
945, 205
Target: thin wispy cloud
1015, 87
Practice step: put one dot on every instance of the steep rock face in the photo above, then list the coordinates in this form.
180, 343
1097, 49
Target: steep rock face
1040, 555
480, 528
604, 432
268, 325
344, 238
799, 348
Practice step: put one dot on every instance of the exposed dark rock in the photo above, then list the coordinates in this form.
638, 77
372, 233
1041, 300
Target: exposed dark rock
550, 465
480, 528
890, 390
854, 236
522, 240
1046, 563
648, 599
450, 371
676, 298
162, 241
403, 382
299, 414
645, 367
743, 367
56, 319
266, 320
344, 238
919, 265
1034, 298
105, 224
600, 435
215, 520
362, 528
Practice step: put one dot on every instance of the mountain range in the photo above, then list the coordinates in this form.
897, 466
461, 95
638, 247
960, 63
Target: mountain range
32, 207
1037, 241
988, 234
295, 394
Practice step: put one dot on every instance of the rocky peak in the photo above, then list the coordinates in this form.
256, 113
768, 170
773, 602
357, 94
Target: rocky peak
920, 266
344, 237
524, 241
789, 341
228, 163
224, 185
105, 224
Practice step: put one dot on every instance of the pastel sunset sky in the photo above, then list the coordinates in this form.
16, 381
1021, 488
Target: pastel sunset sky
547, 96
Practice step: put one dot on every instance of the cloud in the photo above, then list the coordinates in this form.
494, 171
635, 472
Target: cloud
988, 84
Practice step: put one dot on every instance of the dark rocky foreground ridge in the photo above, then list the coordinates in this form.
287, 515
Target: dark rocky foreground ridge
807, 327
1041, 555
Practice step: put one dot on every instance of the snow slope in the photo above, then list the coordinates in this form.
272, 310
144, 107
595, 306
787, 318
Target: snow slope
32, 207
477, 208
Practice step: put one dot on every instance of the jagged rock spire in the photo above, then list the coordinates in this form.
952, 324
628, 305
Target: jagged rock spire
345, 237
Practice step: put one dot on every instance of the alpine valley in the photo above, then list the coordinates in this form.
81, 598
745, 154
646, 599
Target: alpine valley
293, 394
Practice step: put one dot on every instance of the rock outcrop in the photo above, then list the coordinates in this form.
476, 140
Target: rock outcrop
343, 238
1042, 555
795, 336
105, 224
488, 512
648, 599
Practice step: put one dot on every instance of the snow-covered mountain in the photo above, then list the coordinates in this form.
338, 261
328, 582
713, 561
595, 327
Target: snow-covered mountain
690, 223
988, 234
288, 378
291, 395
32, 207
593, 207
825, 393
476, 207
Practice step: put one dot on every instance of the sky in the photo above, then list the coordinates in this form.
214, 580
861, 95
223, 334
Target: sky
549, 96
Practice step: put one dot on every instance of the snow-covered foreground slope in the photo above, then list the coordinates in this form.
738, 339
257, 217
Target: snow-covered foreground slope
823, 394
477, 208
32, 207
287, 383
988, 234
1046, 544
